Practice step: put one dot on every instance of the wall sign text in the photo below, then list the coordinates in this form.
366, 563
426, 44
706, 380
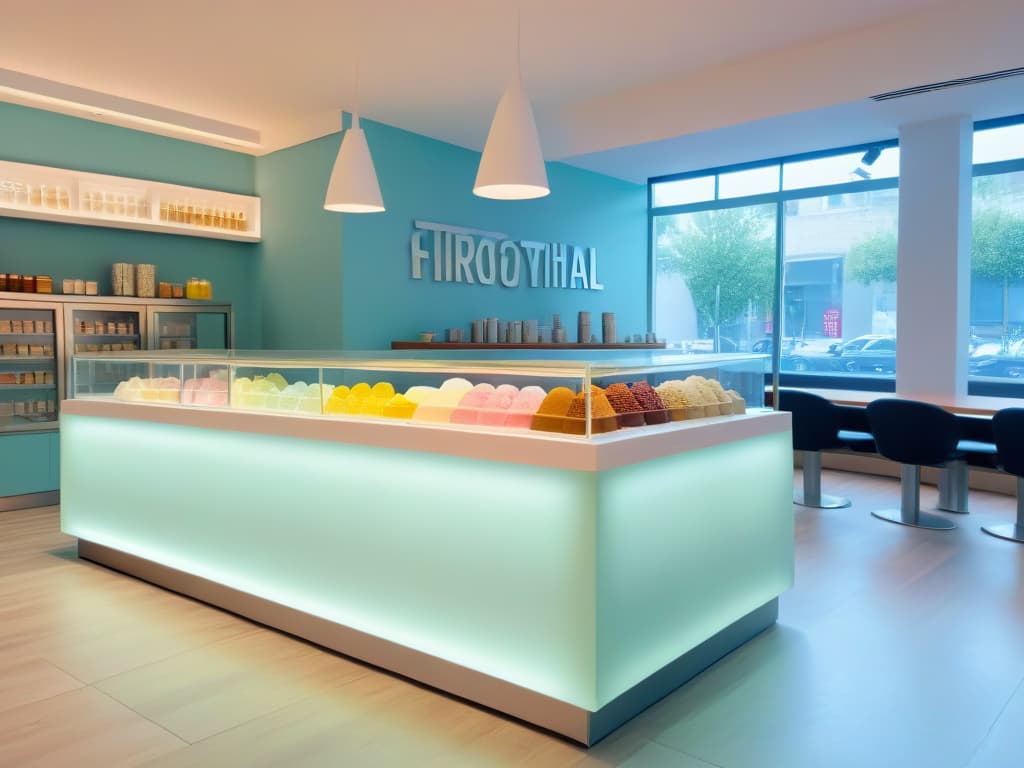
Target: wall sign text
447, 254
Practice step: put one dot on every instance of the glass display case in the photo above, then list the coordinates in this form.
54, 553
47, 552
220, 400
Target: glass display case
104, 328
189, 327
29, 374
567, 397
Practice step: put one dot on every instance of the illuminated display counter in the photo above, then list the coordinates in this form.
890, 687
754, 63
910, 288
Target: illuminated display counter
569, 579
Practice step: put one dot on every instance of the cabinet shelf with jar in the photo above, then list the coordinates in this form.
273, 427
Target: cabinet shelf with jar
91, 199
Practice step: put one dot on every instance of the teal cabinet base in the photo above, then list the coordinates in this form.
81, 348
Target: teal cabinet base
573, 722
29, 500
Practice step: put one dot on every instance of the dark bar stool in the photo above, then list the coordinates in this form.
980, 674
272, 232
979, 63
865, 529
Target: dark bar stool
815, 429
915, 434
1008, 427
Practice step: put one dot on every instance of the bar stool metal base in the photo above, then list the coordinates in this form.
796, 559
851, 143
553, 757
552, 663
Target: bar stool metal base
824, 501
922, 519
910, 512
1008, 531
953, 488
1011, 531
812, 495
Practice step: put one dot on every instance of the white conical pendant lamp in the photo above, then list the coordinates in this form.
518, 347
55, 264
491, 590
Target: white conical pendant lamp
512, 166
353, 187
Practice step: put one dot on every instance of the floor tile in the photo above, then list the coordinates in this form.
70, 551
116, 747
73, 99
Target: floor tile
80, 728
226, 683
1003, 746
25, 680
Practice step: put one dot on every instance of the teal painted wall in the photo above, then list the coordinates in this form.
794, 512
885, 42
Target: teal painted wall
425, 179
47, 138
301, 277
34, 136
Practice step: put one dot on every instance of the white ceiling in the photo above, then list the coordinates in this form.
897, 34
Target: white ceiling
603, 74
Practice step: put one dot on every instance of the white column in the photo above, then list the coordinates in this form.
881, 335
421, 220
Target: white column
934, 257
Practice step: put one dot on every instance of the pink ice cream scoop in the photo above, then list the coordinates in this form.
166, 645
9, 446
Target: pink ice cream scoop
520, 413
470, 404
494, 411
188, 394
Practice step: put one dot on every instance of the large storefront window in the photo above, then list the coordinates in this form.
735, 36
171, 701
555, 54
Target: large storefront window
714, 278
839, 284
716, 249
996, 354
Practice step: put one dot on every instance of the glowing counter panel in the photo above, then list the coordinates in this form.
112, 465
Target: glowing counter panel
565, 597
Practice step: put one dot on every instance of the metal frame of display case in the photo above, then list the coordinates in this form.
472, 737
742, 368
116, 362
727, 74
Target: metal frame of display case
72, 337
204, 307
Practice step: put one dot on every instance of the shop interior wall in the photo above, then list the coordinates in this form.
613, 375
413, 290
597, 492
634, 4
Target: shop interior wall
61, 250
312, 260
301, 266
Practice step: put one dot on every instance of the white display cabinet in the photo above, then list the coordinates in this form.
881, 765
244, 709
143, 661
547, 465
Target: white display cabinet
567, 577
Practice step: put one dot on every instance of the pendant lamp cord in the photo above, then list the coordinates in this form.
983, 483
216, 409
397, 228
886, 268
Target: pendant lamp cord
355, 111
519, 31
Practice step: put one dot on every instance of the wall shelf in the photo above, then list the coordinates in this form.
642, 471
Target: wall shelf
469, 345
82, 335
98, 200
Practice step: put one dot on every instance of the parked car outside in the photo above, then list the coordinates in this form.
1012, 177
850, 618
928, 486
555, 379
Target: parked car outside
799, 355
870, 353
989, 360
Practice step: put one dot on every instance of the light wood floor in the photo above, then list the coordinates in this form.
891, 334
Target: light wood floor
897, 647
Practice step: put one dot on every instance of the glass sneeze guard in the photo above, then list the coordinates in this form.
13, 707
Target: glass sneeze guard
583, 397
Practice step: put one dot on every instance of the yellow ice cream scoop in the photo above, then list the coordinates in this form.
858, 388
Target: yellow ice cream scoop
399, 407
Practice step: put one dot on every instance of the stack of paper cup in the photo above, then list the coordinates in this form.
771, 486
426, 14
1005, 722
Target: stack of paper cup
608, 328
557, 331
492, 330
530, 332
583, 328
515, 332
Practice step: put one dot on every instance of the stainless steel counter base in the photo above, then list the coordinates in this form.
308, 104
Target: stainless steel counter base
573, 722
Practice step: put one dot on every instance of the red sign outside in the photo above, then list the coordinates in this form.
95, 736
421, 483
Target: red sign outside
832, 323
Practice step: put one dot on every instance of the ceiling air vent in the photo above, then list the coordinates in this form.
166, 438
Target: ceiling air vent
913, 91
